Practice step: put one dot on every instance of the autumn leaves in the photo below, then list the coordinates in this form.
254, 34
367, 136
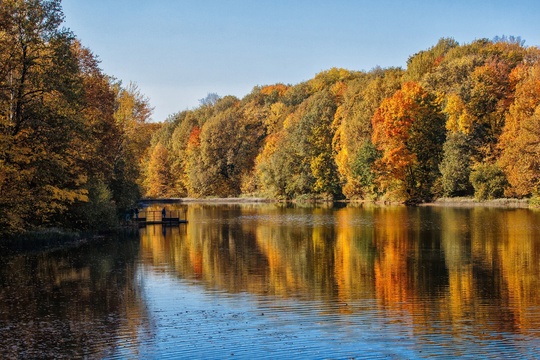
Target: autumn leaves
76, 148
461, 120
71, 138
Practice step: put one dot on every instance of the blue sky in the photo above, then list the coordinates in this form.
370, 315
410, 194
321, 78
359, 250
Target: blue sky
178, 51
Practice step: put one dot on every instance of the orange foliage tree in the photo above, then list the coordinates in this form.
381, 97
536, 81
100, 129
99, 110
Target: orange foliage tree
520, 140
408, 128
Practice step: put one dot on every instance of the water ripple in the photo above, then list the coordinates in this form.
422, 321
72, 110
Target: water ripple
190, 322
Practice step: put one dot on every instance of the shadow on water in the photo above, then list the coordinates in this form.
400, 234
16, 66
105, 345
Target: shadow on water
71, 302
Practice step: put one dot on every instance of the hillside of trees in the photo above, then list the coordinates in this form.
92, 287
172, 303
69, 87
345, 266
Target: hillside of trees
77, 149
460, 120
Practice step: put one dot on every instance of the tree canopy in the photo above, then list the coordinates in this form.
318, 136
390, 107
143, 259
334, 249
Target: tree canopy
71, 138
77, 148
457, 115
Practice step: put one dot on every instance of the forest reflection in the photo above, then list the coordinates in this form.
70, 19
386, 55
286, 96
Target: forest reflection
71, 303
469, 268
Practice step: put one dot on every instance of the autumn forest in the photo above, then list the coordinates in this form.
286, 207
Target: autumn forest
461, 120
77, 148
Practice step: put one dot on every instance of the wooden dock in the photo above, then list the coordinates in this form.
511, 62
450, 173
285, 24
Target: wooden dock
153, 217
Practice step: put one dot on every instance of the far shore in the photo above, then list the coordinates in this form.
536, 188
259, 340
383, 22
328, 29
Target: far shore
442, 202
471, 202
210, 200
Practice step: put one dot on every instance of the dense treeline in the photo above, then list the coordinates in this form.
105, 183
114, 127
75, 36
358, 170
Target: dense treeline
77, 150
461, 120
71, 137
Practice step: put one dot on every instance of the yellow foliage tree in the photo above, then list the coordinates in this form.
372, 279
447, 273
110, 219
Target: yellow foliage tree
158, 181
458, 118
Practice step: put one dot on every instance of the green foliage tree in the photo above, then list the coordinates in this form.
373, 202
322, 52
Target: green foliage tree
366, 157
218, 154
489, 181
456, 165
99, 212
221, 151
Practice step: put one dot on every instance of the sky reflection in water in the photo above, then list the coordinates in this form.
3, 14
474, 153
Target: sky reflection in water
250, 281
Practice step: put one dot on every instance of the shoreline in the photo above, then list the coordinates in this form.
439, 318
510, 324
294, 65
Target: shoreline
442, 202
471, 202
53, 239
236, 200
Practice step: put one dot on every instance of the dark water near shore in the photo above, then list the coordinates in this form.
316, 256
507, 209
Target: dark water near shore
264, 280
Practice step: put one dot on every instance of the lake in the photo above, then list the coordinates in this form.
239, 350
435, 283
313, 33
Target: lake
277, 281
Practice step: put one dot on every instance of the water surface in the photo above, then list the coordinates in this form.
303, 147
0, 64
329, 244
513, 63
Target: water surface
265, 280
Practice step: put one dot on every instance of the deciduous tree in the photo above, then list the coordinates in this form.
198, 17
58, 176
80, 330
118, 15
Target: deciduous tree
41, 171
520, 140
409, 130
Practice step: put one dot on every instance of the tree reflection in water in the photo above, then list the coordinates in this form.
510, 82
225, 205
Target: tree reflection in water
445, 268
71, 303
259, 279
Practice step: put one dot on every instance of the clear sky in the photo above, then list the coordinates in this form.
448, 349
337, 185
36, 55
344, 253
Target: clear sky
178, 51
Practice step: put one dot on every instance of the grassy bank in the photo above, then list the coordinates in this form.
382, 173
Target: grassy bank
471, 202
